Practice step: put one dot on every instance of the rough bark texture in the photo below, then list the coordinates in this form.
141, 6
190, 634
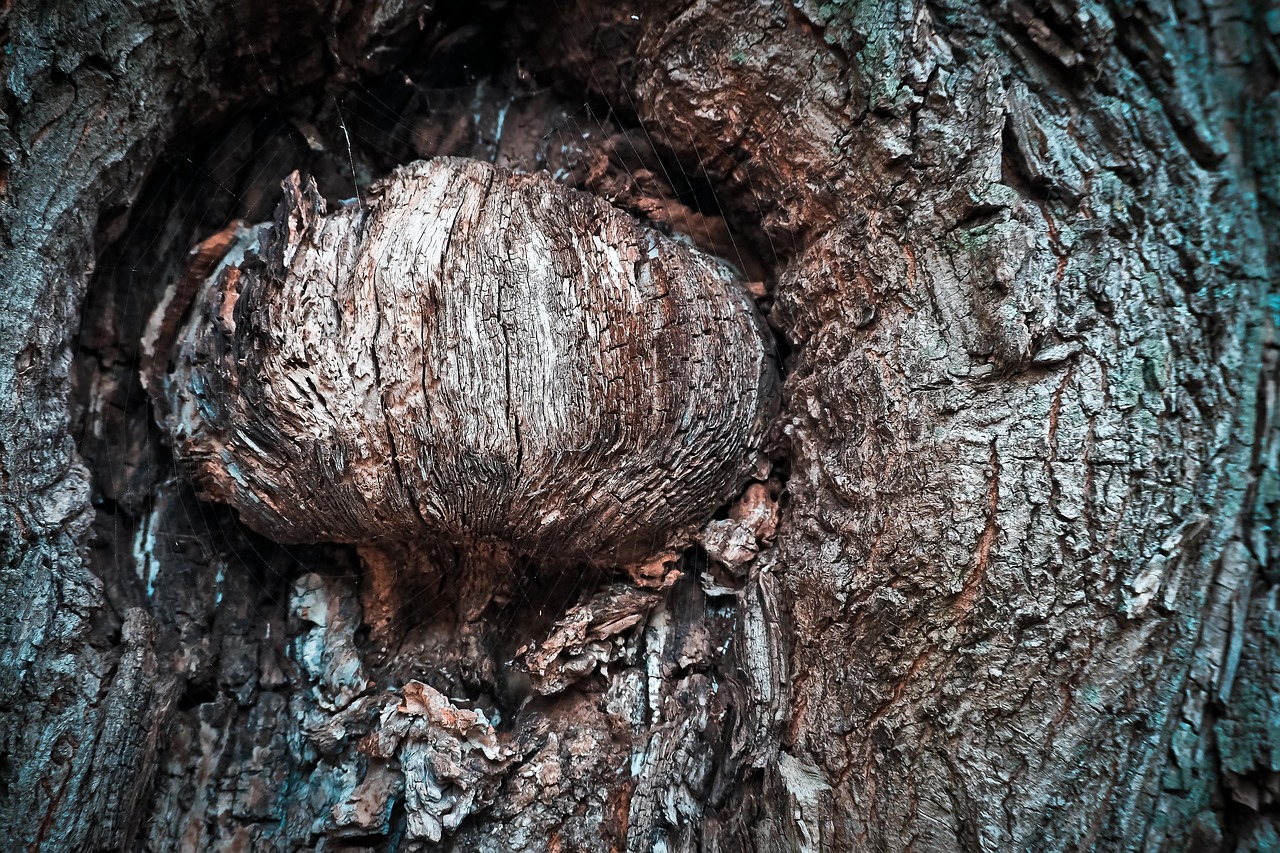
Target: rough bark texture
1022, 588
470, 355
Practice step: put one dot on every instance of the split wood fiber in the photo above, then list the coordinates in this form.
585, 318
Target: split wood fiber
470, 354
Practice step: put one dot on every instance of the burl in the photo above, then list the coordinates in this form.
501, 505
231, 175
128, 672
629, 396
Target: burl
469, 355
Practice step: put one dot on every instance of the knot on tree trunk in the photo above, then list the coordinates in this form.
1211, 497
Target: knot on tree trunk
469, 354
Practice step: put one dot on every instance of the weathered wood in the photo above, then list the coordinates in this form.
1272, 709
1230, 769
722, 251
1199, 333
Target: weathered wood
474, 355
1021, 592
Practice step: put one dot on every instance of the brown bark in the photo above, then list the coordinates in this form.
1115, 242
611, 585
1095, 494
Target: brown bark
468, 355
1011, 582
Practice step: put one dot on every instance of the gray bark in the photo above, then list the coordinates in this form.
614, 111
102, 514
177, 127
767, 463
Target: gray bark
1011, 583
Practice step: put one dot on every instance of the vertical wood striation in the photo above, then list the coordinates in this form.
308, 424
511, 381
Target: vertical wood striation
474, 355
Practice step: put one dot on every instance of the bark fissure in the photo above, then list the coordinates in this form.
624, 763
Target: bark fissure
1023, 262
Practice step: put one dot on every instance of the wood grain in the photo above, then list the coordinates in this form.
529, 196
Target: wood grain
473, 354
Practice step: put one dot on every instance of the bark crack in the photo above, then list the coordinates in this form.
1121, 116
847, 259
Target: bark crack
969, 594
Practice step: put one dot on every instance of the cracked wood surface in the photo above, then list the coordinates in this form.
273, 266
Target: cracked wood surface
472, 355
1017, 249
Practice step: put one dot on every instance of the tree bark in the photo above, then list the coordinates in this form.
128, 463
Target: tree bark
1008, 583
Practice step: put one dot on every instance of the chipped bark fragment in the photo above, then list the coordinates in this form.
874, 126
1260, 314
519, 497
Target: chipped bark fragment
752, 524
589, 637
758, 511
657, 572
450, 759
474, 355
729, 542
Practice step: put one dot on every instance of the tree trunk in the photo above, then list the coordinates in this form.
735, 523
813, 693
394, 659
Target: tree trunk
1022, 590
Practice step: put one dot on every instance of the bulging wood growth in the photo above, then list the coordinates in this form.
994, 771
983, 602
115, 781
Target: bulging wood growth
470, 354
1012, 583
